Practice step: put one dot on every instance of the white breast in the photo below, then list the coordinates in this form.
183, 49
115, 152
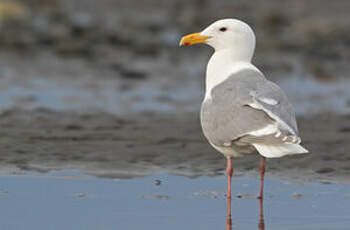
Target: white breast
220, 67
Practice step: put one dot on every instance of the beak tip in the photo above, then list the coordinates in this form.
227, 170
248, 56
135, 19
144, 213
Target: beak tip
192, 39
184, 44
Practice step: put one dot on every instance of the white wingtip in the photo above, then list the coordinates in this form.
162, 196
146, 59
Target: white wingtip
273, 151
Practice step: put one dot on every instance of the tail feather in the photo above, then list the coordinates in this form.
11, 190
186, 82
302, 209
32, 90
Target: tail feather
273, 151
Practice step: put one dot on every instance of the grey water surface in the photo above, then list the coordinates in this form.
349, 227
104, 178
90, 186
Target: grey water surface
71, 200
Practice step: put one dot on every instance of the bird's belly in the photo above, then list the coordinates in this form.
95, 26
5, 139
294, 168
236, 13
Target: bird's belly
234, 150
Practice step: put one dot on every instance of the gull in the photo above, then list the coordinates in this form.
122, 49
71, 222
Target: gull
242, 112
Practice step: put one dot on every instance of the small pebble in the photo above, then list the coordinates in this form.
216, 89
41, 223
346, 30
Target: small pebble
83, 195
325, 182
156, 197
214, 194
245, 196
297, 195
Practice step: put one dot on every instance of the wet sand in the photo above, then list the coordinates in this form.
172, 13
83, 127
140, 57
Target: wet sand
109, 146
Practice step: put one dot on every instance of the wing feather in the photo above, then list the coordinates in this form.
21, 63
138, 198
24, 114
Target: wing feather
245, 103
281, 111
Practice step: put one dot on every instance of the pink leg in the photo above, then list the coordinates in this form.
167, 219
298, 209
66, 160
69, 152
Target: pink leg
261, 216
262, 173
229, 171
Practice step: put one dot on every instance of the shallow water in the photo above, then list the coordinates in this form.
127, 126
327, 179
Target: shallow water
71, 200
308, 95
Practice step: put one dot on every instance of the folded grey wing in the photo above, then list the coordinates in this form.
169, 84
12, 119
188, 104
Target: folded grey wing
228, 115
243, 104
269, 98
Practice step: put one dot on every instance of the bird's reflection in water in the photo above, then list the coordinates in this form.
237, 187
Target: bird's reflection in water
261, 225
228, 220
261, 215
228, 223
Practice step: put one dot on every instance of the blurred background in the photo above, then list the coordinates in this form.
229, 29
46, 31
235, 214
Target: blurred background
123, 57
103, 87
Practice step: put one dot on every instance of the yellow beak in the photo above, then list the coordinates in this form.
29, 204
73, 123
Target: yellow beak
192, 39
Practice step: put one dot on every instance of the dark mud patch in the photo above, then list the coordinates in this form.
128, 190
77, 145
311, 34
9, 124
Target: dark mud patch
105, 145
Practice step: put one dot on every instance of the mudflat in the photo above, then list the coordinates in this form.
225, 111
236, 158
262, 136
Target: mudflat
107, 145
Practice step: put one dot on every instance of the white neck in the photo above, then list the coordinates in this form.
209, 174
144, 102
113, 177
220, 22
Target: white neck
221, 65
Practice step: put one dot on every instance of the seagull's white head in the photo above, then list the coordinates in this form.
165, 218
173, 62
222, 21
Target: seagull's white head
226, 34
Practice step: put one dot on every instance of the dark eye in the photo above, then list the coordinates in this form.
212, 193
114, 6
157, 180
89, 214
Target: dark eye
223, 29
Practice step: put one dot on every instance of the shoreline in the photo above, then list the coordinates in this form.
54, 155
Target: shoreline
110, 146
